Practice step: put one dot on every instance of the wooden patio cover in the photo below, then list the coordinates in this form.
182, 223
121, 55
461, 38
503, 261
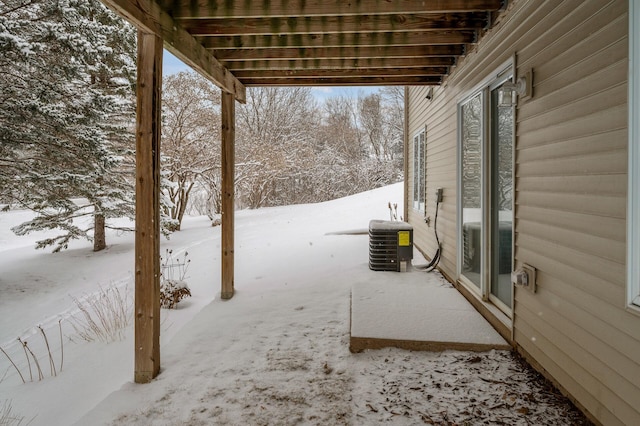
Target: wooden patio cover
240, 43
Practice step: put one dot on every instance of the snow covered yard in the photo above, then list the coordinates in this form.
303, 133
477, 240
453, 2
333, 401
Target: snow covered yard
282, 359
275, 354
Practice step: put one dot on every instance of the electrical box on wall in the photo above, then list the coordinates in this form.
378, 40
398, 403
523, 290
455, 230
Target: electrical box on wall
525, 277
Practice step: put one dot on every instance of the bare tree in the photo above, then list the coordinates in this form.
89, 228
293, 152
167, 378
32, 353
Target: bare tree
337, 169
341, 129
359, 144
381, 122
393, 111
372, 124
190, 137
275, 138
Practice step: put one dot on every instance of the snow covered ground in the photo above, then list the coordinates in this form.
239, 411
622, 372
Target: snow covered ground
275, 354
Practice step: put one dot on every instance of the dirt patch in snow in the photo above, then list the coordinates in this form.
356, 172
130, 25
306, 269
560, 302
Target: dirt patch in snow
457, 388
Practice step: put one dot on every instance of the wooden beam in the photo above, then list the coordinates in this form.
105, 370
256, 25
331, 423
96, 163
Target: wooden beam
335, 24
228, 191
387, 39
355, 81
149, 17
147, 238
279, 8
343, 73
333, 64
339, 52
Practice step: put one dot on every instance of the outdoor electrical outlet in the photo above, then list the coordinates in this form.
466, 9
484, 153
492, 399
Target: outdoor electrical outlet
439, 192
531, 277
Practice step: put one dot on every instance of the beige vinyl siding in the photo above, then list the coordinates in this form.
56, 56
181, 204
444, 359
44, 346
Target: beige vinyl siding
570, 192
571, 166
441, 171
416, 125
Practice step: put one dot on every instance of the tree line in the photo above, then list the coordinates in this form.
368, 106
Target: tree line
290, 147
67, 120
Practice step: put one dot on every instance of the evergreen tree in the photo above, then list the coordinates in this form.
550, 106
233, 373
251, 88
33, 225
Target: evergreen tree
67, 70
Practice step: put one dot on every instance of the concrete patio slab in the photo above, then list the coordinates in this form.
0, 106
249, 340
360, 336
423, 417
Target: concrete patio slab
417, 311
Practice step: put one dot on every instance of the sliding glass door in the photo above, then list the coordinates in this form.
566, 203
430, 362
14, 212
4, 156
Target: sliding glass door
486, 192
471, 120
501, 183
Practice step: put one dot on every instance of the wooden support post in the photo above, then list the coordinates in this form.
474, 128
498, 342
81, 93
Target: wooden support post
228, 174
147, 242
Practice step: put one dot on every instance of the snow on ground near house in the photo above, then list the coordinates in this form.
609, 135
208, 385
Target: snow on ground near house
275, 354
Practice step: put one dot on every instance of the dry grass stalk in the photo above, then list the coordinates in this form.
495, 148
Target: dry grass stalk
8, 418
14, 366
27, 352
46, 342
103, 316
61, 344
30, 355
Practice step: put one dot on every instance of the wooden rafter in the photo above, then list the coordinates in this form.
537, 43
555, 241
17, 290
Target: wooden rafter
343, 73
339, 40
303, 42
339, 52
335, 24
200, 9
149, 17
307, 42
353, 65
359, 81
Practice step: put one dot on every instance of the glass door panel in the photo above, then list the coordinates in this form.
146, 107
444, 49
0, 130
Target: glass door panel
502, 127
471, 188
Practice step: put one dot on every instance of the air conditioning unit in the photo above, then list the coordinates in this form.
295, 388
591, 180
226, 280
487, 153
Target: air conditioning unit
390, 245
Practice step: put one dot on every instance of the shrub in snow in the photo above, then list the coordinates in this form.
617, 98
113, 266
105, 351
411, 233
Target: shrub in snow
173, 287
171, 292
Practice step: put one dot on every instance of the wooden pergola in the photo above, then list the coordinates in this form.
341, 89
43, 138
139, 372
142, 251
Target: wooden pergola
240, 43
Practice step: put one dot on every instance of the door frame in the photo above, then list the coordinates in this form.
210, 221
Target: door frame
506, 71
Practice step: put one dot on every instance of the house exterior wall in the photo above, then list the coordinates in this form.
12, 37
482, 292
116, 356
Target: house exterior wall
570, 192
441, 173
